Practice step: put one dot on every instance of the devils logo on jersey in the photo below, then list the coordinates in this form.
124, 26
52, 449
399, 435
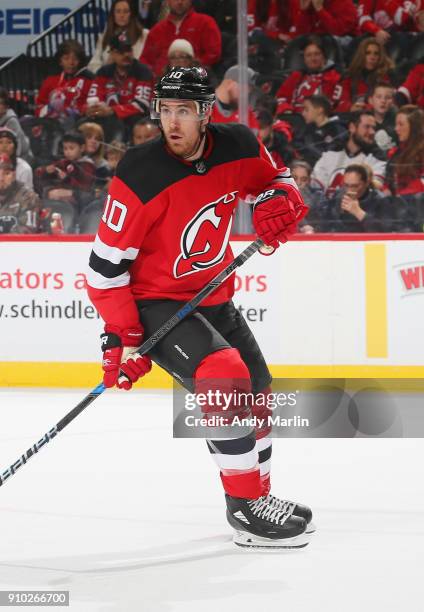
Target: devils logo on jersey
205, 237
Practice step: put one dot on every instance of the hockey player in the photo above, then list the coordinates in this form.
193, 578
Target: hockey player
164, 234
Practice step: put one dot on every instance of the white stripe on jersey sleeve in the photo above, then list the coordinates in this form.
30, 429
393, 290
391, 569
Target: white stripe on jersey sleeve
113, 254
98, 281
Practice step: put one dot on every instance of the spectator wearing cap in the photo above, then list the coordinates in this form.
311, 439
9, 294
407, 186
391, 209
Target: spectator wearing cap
9, 146
19, 206
183, 22
63, 96
225, 109
72, 178
180, 53
334, 17
8, 119
122, 18
318, 77
121, 91
322, 133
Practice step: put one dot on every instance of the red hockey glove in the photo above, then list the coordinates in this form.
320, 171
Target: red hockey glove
122, 364
276, 213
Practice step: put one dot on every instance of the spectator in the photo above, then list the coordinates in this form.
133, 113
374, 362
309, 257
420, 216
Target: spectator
225, 109
381, 17
412, 90
70, 179
8, 119
369, 65
19, 206
276, 137
301, 172
357, 207
405, 171
9, 146
335, 17
319, 76
94, 149
380, 102
122, 18
183, 22
144, 130
63, 96
121, 92
360, 148
180, 53
114, 153
272, 16
322, 133
152, 11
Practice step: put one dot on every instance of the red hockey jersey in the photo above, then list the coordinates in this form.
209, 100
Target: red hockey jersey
302, 84
166, 225
375, 15
127, 96
337, 17
62, 94
413, 87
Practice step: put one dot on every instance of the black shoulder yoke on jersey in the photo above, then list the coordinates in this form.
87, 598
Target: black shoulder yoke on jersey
137, 70
149, 168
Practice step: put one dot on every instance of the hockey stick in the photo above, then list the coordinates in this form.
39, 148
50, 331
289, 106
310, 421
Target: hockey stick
144, 348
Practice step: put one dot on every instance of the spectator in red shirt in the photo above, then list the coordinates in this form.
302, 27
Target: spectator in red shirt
63, 96
335, 17
369, 65
182, 22
381, 17
412, 90
272, 16
405, 170
70, 179
121, 92
318, 77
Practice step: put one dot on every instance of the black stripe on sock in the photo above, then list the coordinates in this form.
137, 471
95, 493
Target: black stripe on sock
237, 446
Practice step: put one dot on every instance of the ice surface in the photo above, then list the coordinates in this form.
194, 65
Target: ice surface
128, 519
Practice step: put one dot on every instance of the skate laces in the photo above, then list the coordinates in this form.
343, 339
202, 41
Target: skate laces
283, 504
261, 508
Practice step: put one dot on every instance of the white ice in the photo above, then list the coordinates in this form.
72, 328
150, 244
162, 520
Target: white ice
129, 519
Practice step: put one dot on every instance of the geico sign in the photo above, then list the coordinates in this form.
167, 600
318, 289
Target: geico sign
24, 21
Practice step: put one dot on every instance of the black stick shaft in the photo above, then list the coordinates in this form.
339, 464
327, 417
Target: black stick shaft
144, 348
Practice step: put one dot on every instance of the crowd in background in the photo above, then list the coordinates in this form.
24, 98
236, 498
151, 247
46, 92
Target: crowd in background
336, 92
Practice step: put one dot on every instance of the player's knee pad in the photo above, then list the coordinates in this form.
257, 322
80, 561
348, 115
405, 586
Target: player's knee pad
225, 379
262, 413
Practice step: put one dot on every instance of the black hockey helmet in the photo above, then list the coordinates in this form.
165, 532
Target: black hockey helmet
184, 84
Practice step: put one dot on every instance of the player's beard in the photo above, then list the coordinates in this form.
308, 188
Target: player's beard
184, 148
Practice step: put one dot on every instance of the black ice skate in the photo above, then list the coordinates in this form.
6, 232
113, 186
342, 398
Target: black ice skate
258, 524
294, 508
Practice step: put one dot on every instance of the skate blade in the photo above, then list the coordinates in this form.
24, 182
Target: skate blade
244, 539
311, 528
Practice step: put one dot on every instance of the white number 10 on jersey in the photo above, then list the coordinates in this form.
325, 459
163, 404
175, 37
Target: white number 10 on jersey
114, 216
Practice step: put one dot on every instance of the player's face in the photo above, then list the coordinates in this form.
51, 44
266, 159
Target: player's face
7, 146
181, 126
402, 127
72, 150
69, 62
